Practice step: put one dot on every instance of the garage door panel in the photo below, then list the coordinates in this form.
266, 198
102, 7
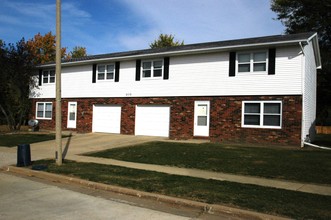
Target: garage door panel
106, 119
152, 120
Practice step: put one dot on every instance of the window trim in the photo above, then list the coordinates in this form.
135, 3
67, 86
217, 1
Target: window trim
105, 76
48, 77
152, 69
44, 110
251, 62
261, 115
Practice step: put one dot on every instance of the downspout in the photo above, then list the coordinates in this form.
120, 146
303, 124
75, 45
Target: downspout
300, 43
314, 145
302, 90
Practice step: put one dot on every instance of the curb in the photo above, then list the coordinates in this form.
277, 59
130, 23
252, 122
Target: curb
179, 202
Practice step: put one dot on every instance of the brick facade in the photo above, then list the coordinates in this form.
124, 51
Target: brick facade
225, 117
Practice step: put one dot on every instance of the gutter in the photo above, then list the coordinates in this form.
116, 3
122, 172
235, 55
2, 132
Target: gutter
180, 52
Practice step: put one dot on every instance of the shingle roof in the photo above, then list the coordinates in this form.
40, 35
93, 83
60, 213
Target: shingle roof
199, 46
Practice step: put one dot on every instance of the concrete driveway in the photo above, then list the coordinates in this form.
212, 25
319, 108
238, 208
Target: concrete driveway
83, 143
75, 145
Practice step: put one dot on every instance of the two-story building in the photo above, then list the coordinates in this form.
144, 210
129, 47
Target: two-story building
257, 90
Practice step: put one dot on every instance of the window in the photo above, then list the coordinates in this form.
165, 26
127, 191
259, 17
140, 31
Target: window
48, 76
44, 110
106, 72
152, 69
264, 114
252, 62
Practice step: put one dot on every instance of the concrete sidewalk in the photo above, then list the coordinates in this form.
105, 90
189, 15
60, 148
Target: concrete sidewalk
79, 144
281, 184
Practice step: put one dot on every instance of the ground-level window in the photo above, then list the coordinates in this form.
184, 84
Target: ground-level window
262, 114
44, 110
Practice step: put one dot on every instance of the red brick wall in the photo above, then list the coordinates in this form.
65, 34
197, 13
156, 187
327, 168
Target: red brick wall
225, 117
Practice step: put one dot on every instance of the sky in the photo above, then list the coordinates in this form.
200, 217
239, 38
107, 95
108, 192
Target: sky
106, 26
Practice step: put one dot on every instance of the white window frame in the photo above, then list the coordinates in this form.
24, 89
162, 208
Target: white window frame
152, 69
105, 73
261, 114
46, 74
44, 110
251, 62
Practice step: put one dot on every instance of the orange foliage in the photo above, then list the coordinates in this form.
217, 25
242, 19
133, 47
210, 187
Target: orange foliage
42, 48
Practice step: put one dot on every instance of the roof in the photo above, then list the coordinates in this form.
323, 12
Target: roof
191, 48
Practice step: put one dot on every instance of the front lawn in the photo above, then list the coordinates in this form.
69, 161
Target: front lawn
12, 140
303, 165
297, 205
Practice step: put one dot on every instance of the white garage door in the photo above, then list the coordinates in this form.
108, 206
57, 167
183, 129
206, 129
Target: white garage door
106, 119
152, 120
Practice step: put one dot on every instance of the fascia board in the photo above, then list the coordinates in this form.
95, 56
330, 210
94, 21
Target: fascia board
176, 53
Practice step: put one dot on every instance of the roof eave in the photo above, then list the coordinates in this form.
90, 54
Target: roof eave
177, 53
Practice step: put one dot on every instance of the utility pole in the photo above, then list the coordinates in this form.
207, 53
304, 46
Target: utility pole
58, 115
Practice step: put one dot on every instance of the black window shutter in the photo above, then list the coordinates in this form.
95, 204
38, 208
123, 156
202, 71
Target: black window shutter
117, 71
138, 64
40, 76
232, 64
94, 73
166, 68
272, 61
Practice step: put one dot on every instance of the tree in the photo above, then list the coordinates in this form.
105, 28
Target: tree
16, 71
77, 52
42, 48
165, 40
306, 16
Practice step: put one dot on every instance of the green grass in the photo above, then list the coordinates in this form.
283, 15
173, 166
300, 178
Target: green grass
293, 204
12, 140
304, 165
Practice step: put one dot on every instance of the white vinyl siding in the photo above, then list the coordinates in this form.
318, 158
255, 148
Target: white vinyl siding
309, 93
261, 114
189, 75
44, 110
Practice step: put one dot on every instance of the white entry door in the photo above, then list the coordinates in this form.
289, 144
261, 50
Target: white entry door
72, 115
201, 118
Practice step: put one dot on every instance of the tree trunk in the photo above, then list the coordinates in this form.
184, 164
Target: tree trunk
9, 124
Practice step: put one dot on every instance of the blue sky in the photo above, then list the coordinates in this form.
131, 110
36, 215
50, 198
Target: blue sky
105, 26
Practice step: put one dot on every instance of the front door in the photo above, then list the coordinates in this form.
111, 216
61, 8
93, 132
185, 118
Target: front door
72, 114
201, 118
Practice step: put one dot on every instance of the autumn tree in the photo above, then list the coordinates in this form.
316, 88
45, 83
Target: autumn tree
306, 16
165, 40
42, 48
77, 52
16, 69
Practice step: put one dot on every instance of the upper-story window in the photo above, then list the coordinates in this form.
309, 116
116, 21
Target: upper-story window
252, 62
152, 69
262, 114
48, 76
106, 72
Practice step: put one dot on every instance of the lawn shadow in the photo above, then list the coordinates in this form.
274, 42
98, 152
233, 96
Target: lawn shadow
66, 148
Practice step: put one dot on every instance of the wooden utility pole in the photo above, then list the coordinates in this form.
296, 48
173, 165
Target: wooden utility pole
58, 115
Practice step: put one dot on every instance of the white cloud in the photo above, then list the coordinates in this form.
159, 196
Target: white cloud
197, 21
